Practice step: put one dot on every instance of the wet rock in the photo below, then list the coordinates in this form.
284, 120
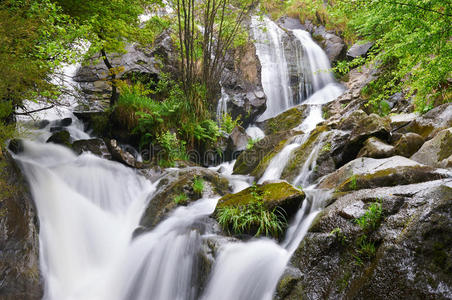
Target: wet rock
42, 124
64, 122
176, 188
413, 246
16, 146
238, 139
408, 144
280, 195
359, 49
241, 83
285, 121
372, 125
61, 137
432, 122
122, 156
250, 159
19, 244
363, 173
350, 121
436, 152
95, 146
375, 148
401, 120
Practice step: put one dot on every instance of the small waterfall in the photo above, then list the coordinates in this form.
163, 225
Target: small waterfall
222, 107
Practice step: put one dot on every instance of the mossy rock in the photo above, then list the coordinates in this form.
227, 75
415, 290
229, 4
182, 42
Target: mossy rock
61, 138
408, 144
375, 148
279, 201
301, 154
280, 194
285, 121
429, 124
180, 182
265, 161
364, 173
249, 159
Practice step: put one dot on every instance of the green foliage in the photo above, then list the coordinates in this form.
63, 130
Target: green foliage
253, 217
198, 185
251, 143
371, 218
326, 148
180, 199
227, 124
173, 149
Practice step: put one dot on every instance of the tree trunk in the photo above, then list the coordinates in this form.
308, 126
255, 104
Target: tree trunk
114, 89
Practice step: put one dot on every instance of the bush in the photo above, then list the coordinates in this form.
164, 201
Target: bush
198, 185
227, 124
172, 149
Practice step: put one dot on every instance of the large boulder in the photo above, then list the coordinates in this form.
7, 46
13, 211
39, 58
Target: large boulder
61, 138
176, 188
19, 243
364, 173
436, 152
121, 155
408, 254
408, 144
273, 196
372, 125
375, 148
432, 122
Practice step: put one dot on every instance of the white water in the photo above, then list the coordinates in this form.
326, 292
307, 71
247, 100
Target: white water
275, 76
89, 208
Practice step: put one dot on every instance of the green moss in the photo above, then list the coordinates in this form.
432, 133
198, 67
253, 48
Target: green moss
446, 146
301, 153
284, 121
263, 164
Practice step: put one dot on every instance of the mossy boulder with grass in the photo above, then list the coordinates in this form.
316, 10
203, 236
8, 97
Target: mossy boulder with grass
259, 209
364, 173
181, 187
285, 121
249, 159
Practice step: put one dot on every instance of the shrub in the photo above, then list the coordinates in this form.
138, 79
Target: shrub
227, 124
251, 143
172, 149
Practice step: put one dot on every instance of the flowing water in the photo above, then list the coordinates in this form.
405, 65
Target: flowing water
89, 208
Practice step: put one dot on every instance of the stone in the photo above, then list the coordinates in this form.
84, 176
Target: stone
280, 195
122, 156
351, 120
60, 137
95, 146
408, 144
436, 152
364, 173
250, 159
359, 49
431, 122
16, 146
287, 120
375, 148
413, 247
372, 125
178, 182
19, 242
238, 139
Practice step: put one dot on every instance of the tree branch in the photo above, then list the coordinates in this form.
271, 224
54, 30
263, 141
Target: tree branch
33, 111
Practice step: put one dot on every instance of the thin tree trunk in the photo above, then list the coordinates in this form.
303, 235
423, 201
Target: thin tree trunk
114, 89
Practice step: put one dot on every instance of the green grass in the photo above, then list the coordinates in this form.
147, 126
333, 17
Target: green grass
252, 218
181, 199
353, 182
252, 142
371, 219
198, 185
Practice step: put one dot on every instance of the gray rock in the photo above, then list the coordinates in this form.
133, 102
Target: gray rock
413, 247
437, 152
375, 148
432, 122
363, 173
60, 137
359, 49
95, 146
122, 156
408, 144
238, 139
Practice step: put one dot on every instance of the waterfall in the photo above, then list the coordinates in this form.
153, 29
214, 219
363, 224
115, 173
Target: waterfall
89, 208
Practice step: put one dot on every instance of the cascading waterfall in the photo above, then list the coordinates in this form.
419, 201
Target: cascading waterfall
88, 220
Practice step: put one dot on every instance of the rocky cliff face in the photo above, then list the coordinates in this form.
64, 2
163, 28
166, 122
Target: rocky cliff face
19, 255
